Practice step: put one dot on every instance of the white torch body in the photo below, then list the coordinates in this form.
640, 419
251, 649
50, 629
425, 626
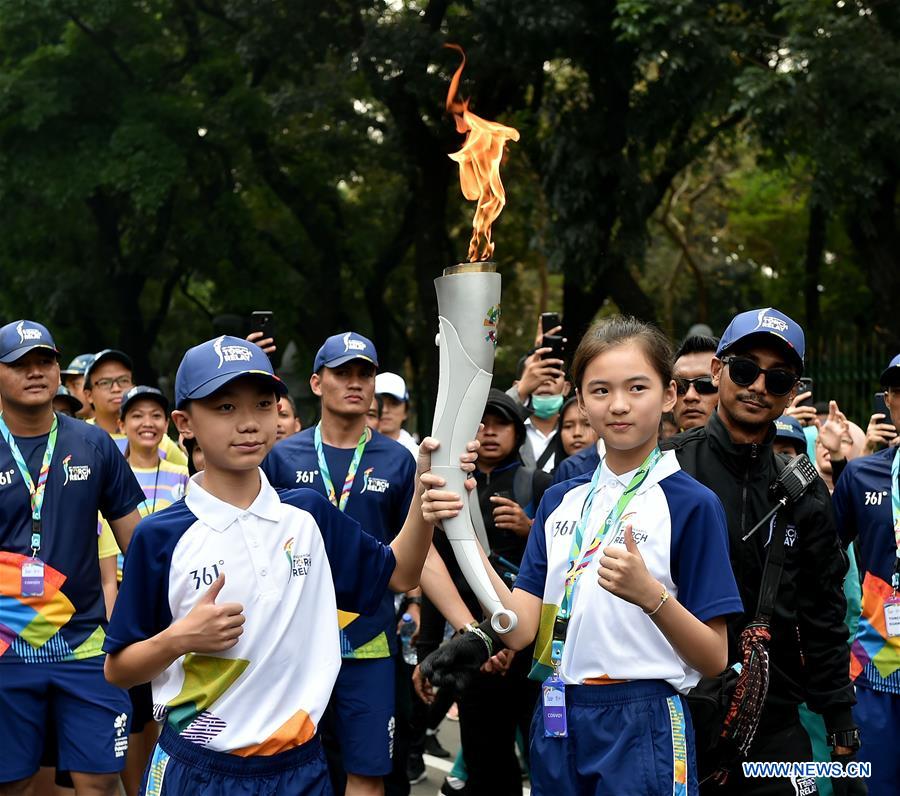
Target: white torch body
468, 308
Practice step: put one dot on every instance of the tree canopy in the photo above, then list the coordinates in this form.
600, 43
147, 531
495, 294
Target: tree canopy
165, 165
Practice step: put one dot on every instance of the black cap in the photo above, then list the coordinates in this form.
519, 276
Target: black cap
501, 404
74, 404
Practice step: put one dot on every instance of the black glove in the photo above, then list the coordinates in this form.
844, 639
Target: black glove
456, 663
847, 786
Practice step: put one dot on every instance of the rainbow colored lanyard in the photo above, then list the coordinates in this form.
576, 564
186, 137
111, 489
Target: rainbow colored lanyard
580, 559
351, 471
36, 493
895, 510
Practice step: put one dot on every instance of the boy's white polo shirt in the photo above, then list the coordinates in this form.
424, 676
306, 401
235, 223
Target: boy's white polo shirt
291, 559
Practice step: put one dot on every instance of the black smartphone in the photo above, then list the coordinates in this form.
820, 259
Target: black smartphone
880, 405
557, 344
805, 385
263, 321
549, 320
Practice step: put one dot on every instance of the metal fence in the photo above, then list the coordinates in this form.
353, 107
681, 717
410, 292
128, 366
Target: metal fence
846, 369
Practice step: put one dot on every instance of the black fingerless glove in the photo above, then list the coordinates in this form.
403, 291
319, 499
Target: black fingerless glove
456, 663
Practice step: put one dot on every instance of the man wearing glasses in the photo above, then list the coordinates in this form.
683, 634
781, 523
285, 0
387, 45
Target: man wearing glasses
757, 365
107, 378
697, 395
867, 508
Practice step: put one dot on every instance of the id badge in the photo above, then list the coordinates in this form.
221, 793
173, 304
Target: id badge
892, 616
553, 701
33, 578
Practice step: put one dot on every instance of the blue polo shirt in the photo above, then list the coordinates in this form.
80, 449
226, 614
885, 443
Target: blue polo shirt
585, 461
379, 501
87, 474
862, 508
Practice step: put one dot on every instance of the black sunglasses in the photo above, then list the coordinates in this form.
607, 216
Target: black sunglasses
702, 384
744, 372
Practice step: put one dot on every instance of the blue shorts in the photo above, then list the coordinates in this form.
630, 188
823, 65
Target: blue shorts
360, 715
91, 717
179, 766
877, 714
630, 739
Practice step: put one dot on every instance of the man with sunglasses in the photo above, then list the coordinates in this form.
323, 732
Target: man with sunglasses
757, 365
697, 395
867, 508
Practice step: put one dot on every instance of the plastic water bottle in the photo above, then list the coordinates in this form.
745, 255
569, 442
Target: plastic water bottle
407, 628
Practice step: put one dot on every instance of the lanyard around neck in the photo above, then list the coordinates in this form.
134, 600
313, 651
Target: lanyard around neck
351, 471
582, 554
895, 511
35, 493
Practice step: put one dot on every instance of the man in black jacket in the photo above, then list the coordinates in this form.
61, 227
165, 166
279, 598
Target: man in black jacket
756, 368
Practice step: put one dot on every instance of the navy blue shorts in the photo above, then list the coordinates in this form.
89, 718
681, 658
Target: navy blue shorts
360, 715
630, 739
877, 714
179, 766
91, 717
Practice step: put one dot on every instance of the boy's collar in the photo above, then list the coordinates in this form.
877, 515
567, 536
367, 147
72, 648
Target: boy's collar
219, 515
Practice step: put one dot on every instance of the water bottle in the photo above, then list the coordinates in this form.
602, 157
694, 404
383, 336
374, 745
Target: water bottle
407, 628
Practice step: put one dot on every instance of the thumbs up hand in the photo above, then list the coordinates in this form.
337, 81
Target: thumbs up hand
623, 572
210, 626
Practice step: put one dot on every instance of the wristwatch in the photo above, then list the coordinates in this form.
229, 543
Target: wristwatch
413, 600
846, 738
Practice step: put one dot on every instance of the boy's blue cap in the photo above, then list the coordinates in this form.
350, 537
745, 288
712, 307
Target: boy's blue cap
20, 337
142, 391
787, 427
341, 348
768, 321
890, 376
79, 365
209, 366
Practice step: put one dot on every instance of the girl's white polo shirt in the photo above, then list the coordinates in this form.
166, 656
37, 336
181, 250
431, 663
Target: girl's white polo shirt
679, 526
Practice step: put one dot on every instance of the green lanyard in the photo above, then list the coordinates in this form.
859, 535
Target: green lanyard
580, 559
895, 511
36, 493
351, 471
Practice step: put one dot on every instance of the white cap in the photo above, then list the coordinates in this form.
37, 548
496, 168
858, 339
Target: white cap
391, 384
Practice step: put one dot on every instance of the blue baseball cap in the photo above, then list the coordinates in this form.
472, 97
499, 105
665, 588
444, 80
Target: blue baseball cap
74, 404
142, 391
79, 365
209, 366
890, 376
20, 337
341, 348
787, 427
768, 321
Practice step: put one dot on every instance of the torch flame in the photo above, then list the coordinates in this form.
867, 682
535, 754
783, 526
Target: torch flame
479, 165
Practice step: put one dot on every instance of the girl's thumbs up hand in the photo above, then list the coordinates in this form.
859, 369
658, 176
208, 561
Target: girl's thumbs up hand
622, 572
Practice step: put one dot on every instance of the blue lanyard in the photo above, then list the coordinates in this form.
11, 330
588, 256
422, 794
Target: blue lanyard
35, 493
580, 557
351, 471
895, 511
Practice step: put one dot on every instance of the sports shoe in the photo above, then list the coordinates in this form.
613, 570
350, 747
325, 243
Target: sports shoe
453, 786
433, 747
415, 770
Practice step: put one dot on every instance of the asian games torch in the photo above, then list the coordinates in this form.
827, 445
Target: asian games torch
469, 309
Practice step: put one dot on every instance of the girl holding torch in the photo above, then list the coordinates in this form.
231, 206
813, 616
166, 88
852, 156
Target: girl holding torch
624, 587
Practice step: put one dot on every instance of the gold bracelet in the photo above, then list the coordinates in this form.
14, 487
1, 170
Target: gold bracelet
662, 601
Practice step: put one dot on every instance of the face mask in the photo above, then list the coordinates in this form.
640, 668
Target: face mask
546, 405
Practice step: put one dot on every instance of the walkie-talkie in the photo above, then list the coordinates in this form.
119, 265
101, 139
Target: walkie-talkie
798, 476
